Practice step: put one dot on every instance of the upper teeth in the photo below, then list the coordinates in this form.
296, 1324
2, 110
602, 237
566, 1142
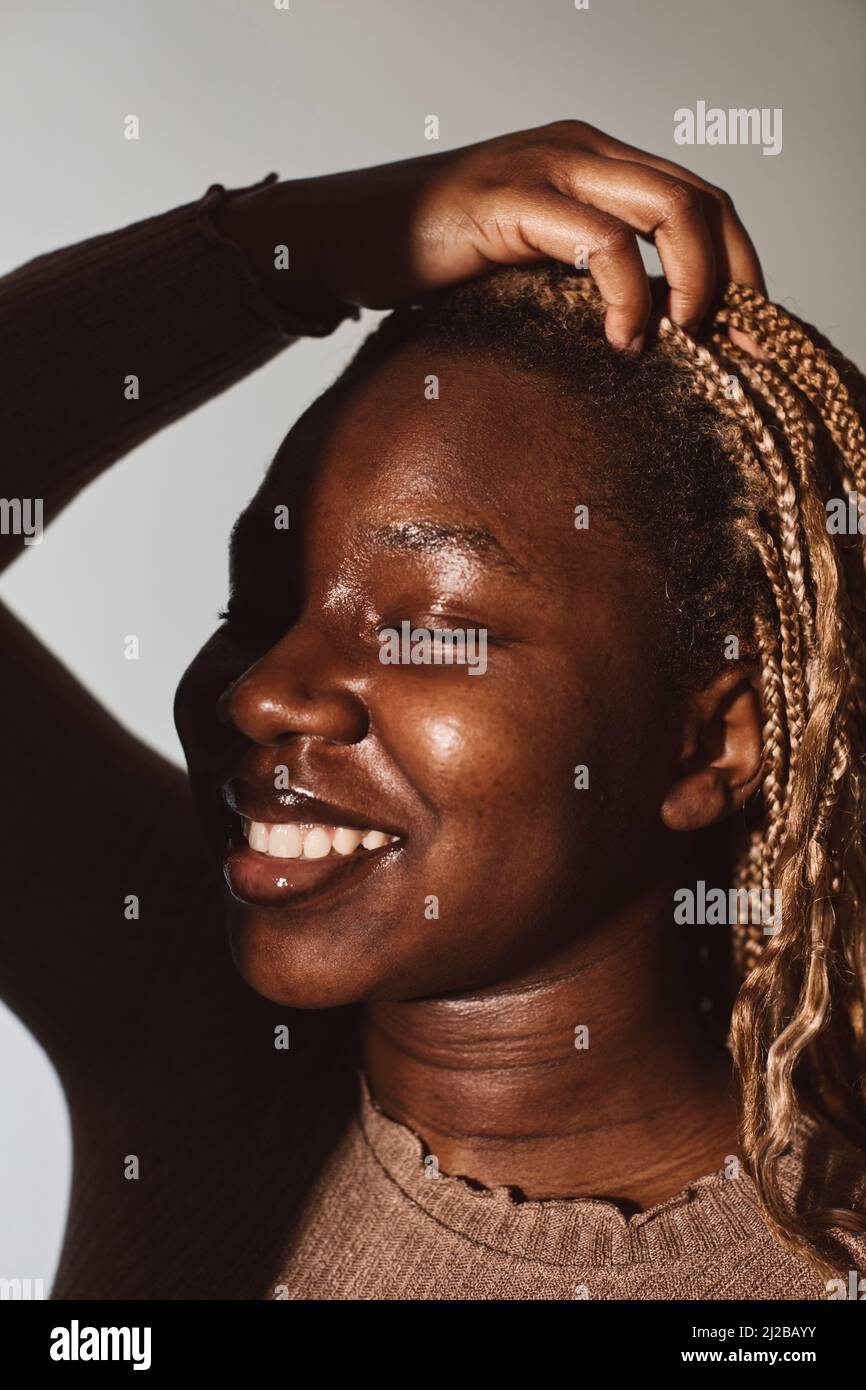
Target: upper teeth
295, 841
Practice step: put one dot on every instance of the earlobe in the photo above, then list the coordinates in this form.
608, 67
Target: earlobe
721, 759
697, 800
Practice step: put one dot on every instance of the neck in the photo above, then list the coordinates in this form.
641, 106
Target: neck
497, 1088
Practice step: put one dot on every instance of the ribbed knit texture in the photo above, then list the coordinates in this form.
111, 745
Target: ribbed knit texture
377, 1226
261, 1173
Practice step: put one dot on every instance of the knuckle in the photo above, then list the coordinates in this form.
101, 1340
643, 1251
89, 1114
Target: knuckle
613, 239
681, 199
568, 128
533, 157
546, 149
719, 196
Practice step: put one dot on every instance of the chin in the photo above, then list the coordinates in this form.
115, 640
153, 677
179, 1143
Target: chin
297, 968
284, 976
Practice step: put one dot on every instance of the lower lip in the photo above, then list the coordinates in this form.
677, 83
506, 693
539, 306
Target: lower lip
259, 880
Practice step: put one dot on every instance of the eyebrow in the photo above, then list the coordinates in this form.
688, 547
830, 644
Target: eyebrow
433, 538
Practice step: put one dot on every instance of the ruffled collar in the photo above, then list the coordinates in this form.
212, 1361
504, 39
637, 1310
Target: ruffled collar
710, 1213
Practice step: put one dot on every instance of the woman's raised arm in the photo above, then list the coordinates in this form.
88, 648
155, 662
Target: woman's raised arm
105, 342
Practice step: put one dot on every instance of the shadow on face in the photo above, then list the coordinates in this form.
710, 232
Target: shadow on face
454, 513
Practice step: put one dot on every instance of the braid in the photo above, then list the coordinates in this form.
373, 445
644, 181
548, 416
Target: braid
807, 366
765, 846
763, 462
836, 623
813, 827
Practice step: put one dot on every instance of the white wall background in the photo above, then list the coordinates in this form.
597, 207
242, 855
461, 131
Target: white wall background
227, 90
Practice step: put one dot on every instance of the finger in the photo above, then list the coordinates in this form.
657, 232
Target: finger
736, 256
735, 251
553, 225
668, 210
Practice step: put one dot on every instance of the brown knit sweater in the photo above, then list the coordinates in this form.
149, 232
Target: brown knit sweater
207, 1163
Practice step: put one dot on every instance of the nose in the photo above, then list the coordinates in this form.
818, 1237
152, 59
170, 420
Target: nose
297, 688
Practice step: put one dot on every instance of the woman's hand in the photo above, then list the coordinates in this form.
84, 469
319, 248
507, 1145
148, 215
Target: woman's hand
381, 236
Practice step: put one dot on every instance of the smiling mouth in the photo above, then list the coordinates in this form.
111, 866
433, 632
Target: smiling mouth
296, 863
309, 840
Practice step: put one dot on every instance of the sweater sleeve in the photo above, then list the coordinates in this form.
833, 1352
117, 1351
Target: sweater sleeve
167, 301
91, 818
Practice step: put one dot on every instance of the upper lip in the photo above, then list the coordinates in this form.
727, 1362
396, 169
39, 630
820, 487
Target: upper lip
284, 807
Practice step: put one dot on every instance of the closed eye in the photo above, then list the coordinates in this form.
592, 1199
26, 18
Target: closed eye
436, 624
431, 622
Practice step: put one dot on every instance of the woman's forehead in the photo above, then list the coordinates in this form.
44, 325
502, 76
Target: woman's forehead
452, 486
488, 443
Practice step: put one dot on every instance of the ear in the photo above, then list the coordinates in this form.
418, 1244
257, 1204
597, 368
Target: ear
722, 752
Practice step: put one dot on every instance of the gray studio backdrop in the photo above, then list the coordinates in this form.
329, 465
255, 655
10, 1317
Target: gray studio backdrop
227, 90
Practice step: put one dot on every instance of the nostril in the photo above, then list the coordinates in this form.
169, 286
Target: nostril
272, 701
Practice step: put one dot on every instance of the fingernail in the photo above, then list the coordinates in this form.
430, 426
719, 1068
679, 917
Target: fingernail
745, 341
635, 347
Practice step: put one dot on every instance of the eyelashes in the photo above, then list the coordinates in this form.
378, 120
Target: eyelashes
251, 620
441, 622
443, 628
433, 622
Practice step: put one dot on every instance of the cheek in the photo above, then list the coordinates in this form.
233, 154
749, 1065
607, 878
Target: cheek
495, 758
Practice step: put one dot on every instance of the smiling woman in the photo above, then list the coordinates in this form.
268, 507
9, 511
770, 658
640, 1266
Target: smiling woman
513, 1071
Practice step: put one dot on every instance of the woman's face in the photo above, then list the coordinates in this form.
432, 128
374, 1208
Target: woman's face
459, 513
